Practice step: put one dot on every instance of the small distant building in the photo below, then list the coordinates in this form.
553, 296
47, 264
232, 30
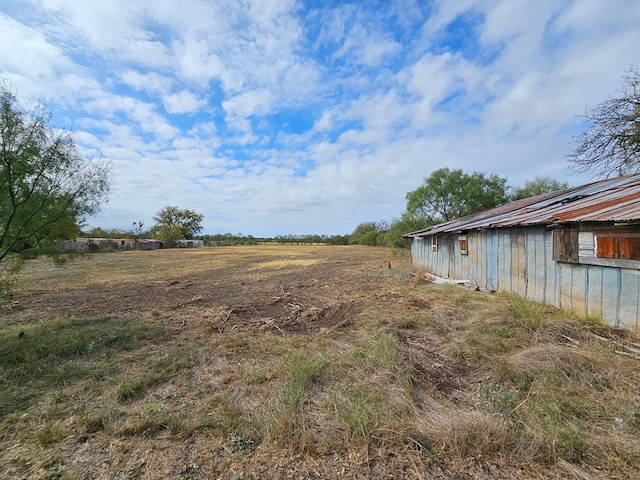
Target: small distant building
189, 243
84, 244
577, 248
148, 244
81, 244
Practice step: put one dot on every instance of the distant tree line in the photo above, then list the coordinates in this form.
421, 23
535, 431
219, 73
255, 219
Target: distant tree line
312, 238
227, 239
230, 239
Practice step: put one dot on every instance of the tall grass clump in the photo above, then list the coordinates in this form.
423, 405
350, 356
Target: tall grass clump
528, 314
289, 422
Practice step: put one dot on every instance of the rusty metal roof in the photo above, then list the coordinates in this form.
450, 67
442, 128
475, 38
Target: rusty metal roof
611, 200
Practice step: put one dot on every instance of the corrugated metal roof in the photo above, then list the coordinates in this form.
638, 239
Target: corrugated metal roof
611, 200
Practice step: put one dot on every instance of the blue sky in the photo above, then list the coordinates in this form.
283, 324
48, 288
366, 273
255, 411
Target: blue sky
275, 116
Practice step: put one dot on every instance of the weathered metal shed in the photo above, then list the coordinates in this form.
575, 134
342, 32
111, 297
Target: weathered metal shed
577, 249
189, 243
148, 244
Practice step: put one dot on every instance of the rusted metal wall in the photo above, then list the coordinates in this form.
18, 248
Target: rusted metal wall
520, 260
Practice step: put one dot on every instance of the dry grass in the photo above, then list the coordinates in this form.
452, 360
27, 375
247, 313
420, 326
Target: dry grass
291, 262
309, 362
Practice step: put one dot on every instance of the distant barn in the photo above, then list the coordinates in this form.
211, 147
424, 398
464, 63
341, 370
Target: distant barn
82, 244
577, 249
189, 243
148, 244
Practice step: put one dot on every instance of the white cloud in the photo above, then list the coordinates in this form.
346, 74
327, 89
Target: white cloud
182, 102
368, 47
27, 52
242, 106
150, 82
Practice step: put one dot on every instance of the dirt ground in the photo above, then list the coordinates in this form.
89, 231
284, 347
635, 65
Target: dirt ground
230, 308
297, 292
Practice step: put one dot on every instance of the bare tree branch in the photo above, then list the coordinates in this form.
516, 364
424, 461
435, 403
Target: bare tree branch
611, 145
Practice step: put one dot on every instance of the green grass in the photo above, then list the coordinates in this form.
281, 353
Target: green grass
58, 352
152, 372
288, 424
362, 414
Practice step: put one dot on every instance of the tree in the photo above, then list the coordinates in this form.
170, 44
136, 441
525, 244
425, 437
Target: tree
450, 194
611, 144
173, 224
368, 233
406, 223
538, 186
46, 187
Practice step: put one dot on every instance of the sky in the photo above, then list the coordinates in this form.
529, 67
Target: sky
275, 117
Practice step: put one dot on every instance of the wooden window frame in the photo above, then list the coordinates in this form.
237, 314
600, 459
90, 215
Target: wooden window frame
463, 244
617, 246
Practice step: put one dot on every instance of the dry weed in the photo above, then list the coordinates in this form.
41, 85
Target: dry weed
421, 275
460, 433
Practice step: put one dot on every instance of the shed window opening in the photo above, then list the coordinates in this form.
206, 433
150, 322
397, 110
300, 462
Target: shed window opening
623, 247
462, 243
434, 244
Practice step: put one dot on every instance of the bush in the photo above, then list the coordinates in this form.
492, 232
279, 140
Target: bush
29, 254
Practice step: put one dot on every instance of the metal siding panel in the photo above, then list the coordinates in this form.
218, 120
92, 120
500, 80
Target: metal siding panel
566, 288
519, 266
551, 268
481, 263
464, 261
522, 272
486, 259
454, 258
434, 257
492, 259
449, 262
594, 290
444, 255
442, 260
610, 295
423, 258
415, 251
504, 266
535, 264
630, 283
473, 260
578, 289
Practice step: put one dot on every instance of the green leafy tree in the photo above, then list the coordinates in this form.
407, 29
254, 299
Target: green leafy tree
611, 144
449, 194
538, 186
406, 223
174, 224
46, 187
99, 232
368, 233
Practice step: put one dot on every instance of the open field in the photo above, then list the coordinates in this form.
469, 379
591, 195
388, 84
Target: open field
302, 362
